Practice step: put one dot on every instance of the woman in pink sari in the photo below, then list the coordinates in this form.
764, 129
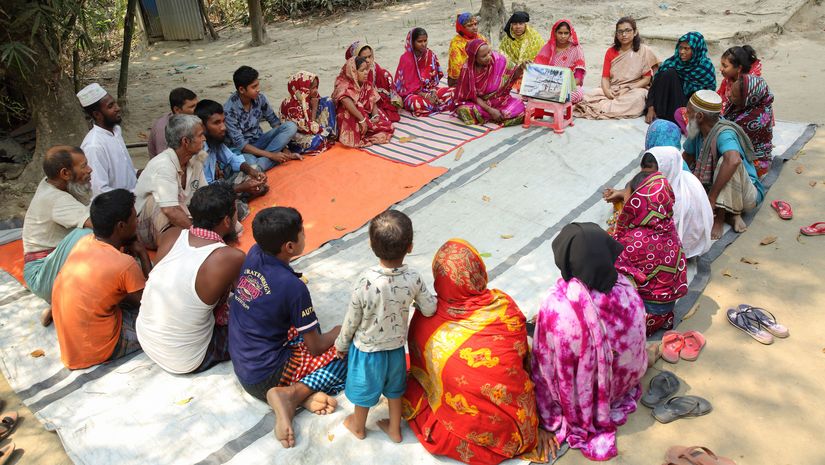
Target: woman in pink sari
483, 90
653, 256
589, 344
563, 49
380, 78
418, 75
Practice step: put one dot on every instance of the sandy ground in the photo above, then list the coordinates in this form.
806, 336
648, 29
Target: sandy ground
767, 399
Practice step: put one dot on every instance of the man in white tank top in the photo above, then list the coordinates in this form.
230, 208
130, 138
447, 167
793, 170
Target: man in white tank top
194, 273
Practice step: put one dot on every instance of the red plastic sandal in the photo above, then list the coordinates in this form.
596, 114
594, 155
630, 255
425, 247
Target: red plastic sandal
783, 208
816, 229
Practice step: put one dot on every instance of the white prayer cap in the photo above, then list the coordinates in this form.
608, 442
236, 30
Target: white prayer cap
707, 100
91, 94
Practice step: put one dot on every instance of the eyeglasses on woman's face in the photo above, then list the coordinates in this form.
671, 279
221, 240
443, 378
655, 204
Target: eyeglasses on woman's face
624, 32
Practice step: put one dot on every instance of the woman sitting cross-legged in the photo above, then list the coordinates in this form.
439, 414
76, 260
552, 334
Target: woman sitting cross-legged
688, 70
751, 107
469, 396
626, 72
483, 90
361, 122
589, 344
314, 115
418, 75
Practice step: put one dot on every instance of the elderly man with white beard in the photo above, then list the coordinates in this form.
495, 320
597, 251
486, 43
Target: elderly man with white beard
58, 216
721, 155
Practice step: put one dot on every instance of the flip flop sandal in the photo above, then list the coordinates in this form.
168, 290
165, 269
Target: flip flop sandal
767, 320
5, 453
782, 208
816, 229
695, 455
662, 386
672, 344
749, 323
694, 342
7, 423
681, 407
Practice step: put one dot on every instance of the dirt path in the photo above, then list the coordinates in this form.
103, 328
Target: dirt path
767, 399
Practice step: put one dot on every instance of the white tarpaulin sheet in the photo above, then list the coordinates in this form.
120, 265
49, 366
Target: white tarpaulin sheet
526, 184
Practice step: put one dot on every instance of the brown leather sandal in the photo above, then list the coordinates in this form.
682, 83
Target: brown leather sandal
695, 455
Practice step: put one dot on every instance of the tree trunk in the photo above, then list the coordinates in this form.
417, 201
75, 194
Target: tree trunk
493, 16
128, 30
256, 22
208, 24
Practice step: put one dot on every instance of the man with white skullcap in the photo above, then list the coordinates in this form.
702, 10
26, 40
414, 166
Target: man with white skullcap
104, 146
721, 155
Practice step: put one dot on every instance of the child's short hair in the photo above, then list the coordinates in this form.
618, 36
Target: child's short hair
275, 226
244, 76
391, 234
637, 180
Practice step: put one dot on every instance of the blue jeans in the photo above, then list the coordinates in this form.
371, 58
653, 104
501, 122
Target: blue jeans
273, 140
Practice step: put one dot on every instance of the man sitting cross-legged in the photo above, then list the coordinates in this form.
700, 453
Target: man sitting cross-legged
57, 218
222, 164
169, 180
721, 155
194, 273
278, 350
96, 294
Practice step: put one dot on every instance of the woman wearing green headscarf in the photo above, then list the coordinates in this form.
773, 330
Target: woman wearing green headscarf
521, 42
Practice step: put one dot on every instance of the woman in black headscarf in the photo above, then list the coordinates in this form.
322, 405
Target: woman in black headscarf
521, 43
589, 344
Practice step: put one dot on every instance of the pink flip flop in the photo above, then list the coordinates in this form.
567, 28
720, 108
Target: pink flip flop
694, 342
816, 229
672, 345
783, 208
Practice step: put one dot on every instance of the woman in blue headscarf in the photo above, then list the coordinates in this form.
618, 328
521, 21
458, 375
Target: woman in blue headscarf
688, 70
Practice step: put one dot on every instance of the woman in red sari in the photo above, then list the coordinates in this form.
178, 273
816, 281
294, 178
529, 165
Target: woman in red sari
469, 396
418, 75
360, 120
380, 78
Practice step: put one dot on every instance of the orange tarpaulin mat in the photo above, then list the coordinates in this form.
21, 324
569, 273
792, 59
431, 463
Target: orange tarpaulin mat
336, 192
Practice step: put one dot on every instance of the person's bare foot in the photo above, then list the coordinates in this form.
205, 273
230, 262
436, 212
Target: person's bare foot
718, 225
738, 223
320, 404
46, 317
395, 435
282, 403
359, 433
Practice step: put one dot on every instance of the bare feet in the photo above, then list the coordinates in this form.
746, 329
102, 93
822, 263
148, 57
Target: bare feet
359, 433
718, 224
281, 401
320, 404
738, 223
46, 317
395, 435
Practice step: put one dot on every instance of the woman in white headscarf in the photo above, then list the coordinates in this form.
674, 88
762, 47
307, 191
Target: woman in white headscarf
692, 212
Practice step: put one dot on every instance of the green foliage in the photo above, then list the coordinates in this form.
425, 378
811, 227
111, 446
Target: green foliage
293, 8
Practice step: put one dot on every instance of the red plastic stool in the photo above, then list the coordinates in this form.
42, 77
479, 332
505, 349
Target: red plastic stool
562, 114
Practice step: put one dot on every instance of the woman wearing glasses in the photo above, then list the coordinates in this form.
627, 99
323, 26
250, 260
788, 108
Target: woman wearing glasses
626, 74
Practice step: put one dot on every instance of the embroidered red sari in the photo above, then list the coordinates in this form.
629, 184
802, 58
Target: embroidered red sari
365, 98
469, 396
382, 79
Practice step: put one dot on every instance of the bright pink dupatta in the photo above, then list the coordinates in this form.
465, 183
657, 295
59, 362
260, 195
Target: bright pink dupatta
488, 82
417, 74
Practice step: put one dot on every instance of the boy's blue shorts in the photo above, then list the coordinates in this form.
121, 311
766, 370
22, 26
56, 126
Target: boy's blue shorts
370, 374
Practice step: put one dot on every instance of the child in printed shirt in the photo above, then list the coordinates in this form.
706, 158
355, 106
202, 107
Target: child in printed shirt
375, 327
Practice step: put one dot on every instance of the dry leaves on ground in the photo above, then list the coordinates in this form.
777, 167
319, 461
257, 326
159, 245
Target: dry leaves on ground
339, 228
812, 183
768, 240
799, 169
485, 198
330, 437
727, 273
184, 401
749, 261
38, 353
459, 153
486, 254
506, 236
405, 139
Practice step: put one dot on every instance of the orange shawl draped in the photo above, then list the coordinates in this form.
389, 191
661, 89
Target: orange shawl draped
469, 396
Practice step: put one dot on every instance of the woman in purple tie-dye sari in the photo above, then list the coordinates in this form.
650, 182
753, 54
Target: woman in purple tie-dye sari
589, 344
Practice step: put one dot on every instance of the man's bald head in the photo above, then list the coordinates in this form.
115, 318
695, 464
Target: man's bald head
59, 158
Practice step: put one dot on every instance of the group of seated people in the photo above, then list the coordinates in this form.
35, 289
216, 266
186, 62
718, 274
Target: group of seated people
473, 393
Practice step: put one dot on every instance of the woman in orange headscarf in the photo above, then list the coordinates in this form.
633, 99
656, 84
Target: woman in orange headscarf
469, 396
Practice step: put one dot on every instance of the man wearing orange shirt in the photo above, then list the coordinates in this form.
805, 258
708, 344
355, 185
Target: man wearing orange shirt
97, 292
